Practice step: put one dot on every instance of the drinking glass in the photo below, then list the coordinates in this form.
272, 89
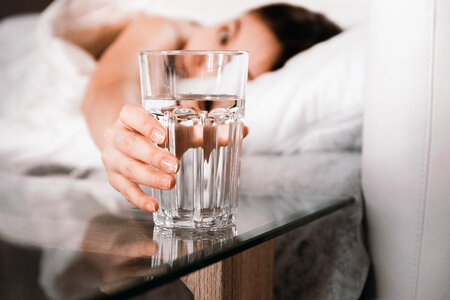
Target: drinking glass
199, 97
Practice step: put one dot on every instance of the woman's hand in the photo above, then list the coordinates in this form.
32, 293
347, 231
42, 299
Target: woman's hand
186, 29
119, 248
131, 156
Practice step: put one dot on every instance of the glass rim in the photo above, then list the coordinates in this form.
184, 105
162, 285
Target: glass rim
192, 52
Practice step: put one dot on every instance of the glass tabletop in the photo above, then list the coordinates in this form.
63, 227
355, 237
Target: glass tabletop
121, 255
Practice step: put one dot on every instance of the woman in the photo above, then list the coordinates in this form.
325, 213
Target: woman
126, 133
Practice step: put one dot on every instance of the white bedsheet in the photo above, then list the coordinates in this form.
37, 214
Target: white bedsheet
313, 103
40, 118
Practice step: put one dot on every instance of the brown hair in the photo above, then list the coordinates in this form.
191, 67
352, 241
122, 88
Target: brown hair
297, 28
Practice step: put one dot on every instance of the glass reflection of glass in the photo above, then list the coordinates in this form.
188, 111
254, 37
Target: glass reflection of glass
124, 249
176, 243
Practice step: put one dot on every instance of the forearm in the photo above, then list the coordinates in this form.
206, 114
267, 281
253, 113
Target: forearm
115, 81
101, 106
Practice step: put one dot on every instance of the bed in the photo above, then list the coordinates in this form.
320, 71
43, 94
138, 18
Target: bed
48, 157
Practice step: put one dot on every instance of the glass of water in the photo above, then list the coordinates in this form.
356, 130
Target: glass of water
198, 96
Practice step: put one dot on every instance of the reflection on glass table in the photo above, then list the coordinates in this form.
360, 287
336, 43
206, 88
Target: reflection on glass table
124, 255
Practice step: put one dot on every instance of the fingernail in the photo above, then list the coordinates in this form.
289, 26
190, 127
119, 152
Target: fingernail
169, 165
165, 181
150, 207
157, 136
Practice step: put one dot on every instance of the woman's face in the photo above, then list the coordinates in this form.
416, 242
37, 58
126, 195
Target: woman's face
248, 33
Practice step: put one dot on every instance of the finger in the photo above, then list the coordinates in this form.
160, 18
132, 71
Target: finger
187, 137
132, 192
194, 105
127, 268
139, 248
137, 118
138, 147
223, 133
140, 173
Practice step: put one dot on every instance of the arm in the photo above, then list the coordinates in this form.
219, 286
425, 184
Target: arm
125, 133
115, 81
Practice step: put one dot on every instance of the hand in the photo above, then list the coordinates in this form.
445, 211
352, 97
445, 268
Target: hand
186, 29
207, 136
119, 248
131, 156
170, 33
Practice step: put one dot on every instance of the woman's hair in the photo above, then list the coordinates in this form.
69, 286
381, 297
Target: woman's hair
296, 28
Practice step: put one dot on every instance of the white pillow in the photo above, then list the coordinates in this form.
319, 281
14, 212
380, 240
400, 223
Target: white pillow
313, 103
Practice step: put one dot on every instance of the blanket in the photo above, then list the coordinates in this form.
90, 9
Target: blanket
48, 157
314, 103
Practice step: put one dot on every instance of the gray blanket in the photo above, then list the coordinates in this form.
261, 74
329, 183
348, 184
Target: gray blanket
327, 258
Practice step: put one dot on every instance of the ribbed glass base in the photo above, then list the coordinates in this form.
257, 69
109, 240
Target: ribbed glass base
207, 219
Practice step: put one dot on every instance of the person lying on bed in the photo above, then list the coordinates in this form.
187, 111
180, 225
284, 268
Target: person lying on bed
126, 134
